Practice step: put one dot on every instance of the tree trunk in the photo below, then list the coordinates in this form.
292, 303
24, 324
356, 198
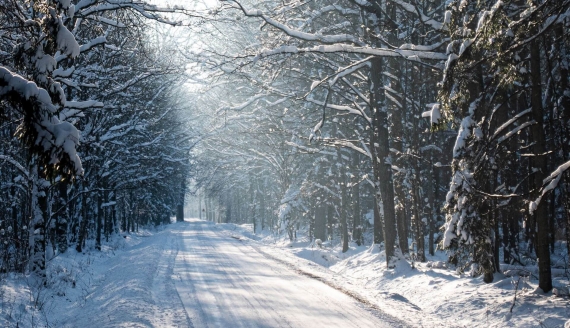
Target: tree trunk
62, 221
378, 223
356, 224
330, 221
180, 205
320, 221
539, 163
39, 210
430, 209
262, 210
99, 226
343, 204
381, 157
180, 213
228, 208
106, 214
114, 213
200, 205
418, 223
83, 224
564, 111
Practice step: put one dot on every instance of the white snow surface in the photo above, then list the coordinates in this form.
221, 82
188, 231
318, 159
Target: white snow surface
434, 114
66, 41
188, 274
200, 274
429, 294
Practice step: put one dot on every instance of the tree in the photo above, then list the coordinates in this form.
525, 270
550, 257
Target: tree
47, 86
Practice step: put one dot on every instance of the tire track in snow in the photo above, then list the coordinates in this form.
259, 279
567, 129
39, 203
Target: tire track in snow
239, 275
190, 295
359, 298
257, 291
164, 290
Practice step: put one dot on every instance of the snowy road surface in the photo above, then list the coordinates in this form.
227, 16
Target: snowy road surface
193, 275
224, 283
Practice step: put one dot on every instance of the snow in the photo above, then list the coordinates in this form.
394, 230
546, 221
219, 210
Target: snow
452, 57
60, 72
429, 295
200, 274
466, 44
44, 63
299, 34
511, 121
61, 134
110, 22
346, 48
71, 11
66, 41
447, 18
83, 104
409, 46
93, 43
342, 72
314, 85
189, 274
552, 181
26, 89
433, 114
488, 14
464, 129
410, 8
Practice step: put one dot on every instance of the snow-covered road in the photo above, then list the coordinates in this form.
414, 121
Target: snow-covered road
197, 274
223, 282
193, 274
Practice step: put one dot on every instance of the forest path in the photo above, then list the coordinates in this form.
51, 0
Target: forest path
224, 282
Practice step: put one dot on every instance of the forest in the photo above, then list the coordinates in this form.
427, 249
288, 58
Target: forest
91, 141
418, 125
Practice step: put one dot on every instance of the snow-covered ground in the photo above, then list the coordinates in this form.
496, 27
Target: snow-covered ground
429, 295
197, 274
188, 274
127, 284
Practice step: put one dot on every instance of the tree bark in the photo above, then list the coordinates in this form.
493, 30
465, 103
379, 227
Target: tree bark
39, 210
99, 226
539, 163
320, 221
381, 157
356, 224
344, 204
62, 221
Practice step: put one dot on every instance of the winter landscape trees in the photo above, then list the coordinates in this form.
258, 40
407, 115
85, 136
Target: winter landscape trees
413, 125
443, 114
92, 143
